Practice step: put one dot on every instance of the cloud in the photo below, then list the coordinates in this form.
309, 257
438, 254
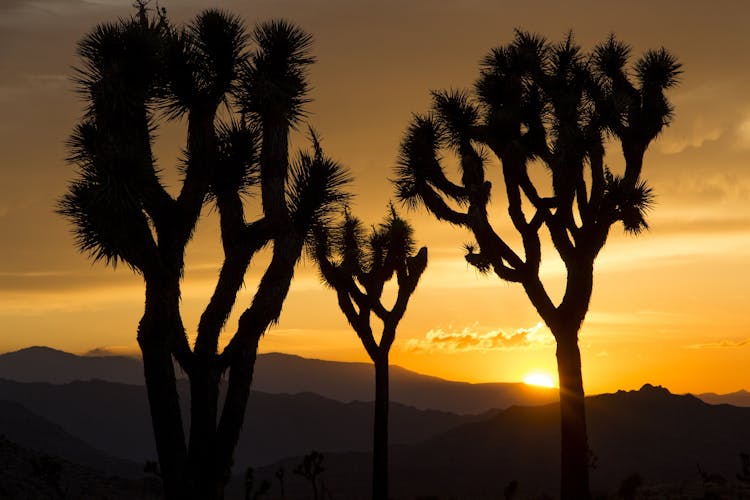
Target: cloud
743, 133
690, 137
721, 344
15, 87
113, 350
537, 336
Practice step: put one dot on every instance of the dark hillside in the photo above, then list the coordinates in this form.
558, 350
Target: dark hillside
662, 436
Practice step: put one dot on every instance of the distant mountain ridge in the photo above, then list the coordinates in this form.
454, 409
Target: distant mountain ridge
279, 373
347, 381
737, 398
44, 364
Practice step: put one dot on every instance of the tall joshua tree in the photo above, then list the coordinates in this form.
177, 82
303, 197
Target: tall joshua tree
545, 108
135, 74
358, 266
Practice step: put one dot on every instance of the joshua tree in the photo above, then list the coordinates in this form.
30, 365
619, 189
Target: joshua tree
280, 476
745, 475
357, 267
250, 492
238, 104
545, 108
310, 468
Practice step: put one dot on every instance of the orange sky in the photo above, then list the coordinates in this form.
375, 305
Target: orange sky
669, 307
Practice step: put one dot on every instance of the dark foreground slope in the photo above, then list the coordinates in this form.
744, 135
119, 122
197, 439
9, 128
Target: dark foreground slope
25, 428
39, 460
663, 437
115, 418
29, 474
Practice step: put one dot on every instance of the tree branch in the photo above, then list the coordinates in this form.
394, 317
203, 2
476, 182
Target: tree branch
435, 204
272, 290
202, 154
238, 255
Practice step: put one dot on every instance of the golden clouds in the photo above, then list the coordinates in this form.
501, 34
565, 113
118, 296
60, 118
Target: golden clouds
743, 133
721, 344
468, 339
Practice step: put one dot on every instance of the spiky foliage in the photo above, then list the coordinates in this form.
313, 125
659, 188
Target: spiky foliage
274, 80
352, 258
237, 166
204, 60
549, 103
136, 73
316, 188
111, 147
628, 204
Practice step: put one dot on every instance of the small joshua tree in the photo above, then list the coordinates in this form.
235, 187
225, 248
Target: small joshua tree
250, 492
745, 475
310, 468
280, 476
358, 266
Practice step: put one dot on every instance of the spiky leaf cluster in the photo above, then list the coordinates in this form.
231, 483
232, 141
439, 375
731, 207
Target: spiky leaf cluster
629, 204
274, 81
316, 188
237, 165
203, 62
369, 256
122, 65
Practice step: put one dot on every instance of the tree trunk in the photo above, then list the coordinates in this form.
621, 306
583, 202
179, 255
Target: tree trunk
202, 464
380, 431
574, 457
161, 386
240, 379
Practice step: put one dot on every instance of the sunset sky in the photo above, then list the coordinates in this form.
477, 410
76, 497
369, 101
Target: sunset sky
670, 307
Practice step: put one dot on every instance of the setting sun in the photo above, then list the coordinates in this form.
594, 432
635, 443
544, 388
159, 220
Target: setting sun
539, 379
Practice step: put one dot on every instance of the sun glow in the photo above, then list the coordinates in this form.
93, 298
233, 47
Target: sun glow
539, 379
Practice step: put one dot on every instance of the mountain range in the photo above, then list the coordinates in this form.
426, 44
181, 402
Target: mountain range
278, 373
115, 417
667, 439
737, 398
94, 424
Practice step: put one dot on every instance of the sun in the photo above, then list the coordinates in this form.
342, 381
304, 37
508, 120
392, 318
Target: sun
539, 379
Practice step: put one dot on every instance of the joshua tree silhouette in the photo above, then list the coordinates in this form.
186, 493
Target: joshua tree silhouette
358, 266
543, 107
310, 468
250, 492
239, 106
280, 476
745, 461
